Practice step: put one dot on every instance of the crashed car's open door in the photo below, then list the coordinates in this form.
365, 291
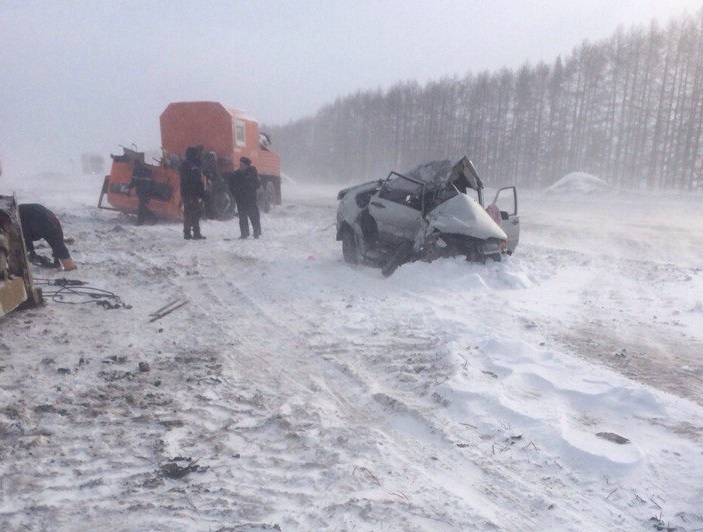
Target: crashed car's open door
398, 208
506, 201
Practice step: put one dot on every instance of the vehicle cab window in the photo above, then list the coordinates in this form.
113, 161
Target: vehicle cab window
239, 133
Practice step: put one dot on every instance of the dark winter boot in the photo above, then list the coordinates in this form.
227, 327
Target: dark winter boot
198, 236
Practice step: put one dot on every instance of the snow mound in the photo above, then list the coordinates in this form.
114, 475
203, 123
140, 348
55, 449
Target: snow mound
580, 183
450, 273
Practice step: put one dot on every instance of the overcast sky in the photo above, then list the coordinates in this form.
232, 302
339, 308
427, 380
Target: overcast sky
84, 76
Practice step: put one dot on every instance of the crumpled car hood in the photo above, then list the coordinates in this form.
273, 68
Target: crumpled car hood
463, 215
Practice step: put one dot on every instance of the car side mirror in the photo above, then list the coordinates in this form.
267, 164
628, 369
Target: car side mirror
504, 215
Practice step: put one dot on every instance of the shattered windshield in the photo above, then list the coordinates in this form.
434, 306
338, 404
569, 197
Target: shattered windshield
400, 189
434, 173
447, 173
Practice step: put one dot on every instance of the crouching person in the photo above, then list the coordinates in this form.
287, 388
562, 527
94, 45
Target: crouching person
39, 223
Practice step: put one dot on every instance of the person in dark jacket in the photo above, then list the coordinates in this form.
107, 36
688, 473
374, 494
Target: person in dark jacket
244, 183
38, 223
141, 180
192, 194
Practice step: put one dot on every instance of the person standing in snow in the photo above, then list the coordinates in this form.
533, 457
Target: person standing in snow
141, 180
244, 183
192, 194
38, 223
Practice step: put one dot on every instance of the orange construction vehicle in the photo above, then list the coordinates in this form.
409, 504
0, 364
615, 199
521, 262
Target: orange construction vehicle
225, 134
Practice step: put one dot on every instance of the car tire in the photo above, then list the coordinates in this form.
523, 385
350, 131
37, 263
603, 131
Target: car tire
350, 250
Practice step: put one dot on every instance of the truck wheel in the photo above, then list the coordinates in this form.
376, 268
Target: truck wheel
221, 205
266, 197
349, 247
271, 194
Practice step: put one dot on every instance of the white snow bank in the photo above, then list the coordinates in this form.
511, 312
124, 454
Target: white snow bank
579, 183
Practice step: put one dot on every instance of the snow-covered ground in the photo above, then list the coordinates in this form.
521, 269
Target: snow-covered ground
318, 396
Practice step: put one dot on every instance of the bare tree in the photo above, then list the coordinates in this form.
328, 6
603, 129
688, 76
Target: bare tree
628, 108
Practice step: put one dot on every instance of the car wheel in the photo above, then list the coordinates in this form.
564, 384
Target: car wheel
266, 198
349, 247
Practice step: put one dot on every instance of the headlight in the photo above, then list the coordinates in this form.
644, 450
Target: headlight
493, 246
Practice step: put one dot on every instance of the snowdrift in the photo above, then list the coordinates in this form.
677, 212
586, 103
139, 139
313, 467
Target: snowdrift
578, 183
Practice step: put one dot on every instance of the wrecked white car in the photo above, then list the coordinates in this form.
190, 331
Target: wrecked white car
426, 214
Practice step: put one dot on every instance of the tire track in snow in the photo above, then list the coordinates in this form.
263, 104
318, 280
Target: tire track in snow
206, 294
299, 357
423, 409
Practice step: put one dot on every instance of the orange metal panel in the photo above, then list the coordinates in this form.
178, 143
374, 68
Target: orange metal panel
120, 177
187, 124
213, 125
269, 163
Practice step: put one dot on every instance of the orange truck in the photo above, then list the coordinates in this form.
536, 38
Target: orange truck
225, 134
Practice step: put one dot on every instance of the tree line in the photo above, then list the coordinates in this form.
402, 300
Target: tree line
628, 109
